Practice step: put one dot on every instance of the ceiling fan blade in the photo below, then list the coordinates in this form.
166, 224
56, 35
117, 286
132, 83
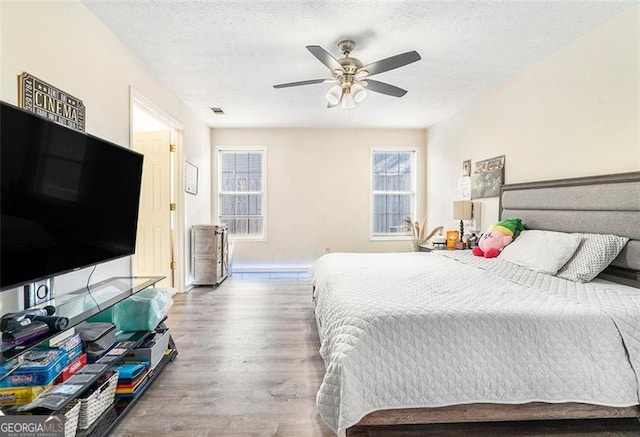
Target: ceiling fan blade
325, 57
387, 64
303, 82
383, 88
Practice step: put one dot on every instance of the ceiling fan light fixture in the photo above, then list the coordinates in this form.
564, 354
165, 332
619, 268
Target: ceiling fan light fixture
347, 100
334, 94
358, 92
353, 83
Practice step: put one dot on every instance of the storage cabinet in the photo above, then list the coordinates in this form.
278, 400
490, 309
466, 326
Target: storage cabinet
209, 254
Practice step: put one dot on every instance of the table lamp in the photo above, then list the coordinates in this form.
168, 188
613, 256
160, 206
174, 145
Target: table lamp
462, 210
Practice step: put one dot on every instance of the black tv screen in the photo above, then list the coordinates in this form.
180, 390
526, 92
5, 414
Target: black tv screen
69, 200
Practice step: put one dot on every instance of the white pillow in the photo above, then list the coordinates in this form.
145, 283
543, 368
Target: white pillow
594, 255
542, 251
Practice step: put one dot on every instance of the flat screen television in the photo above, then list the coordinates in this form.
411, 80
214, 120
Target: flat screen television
69, 200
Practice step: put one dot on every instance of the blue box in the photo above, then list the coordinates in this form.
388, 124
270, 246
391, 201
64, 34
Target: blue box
40, 367
73, 346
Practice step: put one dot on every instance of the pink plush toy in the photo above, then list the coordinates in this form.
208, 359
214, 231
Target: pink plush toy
497, 237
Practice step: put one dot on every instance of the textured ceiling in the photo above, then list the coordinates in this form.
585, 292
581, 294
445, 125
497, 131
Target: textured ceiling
230, 54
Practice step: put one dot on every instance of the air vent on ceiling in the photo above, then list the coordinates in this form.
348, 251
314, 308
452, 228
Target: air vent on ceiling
217, 111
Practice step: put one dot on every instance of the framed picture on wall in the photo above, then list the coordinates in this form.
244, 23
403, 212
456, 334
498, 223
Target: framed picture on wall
190, 178
466, 168
488, 178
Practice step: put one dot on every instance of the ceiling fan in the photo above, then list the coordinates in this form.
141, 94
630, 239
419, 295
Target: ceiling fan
351, 78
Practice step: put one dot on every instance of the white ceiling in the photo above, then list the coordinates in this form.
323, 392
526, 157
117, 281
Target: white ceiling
231, 53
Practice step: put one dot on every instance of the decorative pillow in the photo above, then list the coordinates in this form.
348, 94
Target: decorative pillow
594, 255
542, 251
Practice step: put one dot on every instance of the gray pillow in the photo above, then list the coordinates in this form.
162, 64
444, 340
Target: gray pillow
594, 254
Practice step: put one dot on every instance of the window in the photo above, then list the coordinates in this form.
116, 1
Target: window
241, 191
393, 191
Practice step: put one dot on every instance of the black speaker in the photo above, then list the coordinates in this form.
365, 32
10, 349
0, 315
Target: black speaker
38, 292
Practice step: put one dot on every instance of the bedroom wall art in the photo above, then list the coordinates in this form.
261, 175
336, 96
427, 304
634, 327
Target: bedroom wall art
466, 168
464, 181
190, 178
464, 188
487, 178
37, 96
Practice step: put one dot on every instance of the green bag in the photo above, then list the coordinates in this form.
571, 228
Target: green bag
140, 312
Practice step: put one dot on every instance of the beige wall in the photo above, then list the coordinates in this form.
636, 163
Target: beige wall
573, 114
318, 191
66, 45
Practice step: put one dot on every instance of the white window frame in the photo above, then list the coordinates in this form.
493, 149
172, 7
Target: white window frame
406, 236
241, 149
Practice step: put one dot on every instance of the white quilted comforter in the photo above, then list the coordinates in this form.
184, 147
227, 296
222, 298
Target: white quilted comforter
434, 329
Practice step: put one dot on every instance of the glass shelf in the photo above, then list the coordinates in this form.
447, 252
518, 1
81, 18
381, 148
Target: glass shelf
81, 304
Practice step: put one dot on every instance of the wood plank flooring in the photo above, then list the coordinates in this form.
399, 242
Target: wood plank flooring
248, 365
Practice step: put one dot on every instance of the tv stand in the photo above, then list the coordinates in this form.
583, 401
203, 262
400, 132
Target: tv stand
78, 306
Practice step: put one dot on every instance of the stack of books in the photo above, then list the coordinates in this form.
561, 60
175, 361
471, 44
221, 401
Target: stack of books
133, 376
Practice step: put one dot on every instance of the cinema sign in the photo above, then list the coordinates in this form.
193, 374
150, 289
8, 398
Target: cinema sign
39, 97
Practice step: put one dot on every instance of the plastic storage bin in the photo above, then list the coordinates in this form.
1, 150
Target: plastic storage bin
141, 312
153, 349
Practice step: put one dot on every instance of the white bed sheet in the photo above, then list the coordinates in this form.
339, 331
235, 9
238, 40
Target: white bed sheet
435, 329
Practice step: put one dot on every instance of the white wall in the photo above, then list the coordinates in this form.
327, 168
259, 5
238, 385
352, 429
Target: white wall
318, 191
64, 44
573, 114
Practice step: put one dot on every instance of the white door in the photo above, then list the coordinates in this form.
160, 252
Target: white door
153, 247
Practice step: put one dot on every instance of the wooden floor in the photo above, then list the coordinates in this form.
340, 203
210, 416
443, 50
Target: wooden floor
248, 365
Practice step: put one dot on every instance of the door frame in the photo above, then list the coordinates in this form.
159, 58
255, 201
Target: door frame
177, 238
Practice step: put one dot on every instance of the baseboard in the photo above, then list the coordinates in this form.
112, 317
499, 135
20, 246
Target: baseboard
270, 269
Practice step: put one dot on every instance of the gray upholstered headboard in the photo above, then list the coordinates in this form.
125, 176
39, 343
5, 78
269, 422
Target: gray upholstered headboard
608, 204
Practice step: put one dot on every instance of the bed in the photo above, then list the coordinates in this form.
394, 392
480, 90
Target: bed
413, 338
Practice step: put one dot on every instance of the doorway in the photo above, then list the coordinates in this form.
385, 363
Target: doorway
157, 136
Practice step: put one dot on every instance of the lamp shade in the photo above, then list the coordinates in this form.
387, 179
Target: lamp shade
334, 94
358, 92
347, 100
462, 210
